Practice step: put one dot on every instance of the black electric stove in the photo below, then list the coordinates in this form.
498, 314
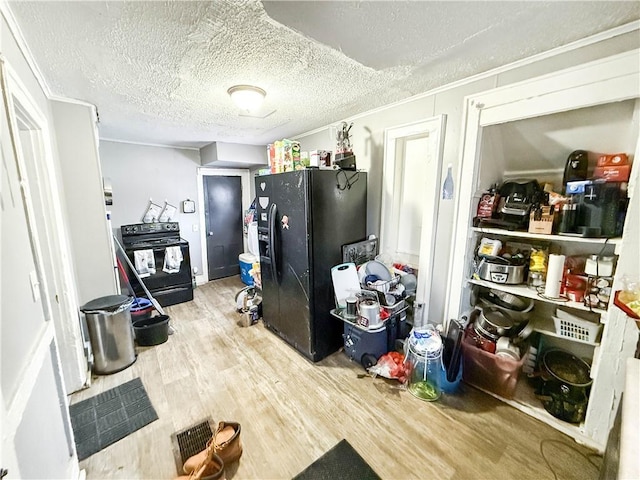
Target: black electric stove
169, 286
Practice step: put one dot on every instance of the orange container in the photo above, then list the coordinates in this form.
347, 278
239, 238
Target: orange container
613, 160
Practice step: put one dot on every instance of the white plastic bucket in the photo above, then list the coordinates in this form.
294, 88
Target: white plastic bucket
246, 261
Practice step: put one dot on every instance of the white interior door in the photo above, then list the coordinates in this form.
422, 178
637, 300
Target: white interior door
34, 408
410, 199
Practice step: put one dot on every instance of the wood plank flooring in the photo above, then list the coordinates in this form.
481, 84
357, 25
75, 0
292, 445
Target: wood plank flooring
292, 411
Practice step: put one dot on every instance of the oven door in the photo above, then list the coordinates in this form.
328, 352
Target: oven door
167, 288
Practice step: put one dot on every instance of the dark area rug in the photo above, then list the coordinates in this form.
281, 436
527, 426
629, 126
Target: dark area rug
110, 416
341, 462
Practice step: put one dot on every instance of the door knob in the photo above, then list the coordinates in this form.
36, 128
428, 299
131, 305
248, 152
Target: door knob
210, 234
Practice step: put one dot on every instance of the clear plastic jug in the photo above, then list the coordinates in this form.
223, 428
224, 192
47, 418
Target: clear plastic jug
424, 359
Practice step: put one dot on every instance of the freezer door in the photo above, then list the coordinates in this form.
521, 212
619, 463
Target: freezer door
284, 257
266, 211
295, 322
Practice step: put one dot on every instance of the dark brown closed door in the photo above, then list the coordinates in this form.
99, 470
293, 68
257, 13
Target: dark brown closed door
223, 221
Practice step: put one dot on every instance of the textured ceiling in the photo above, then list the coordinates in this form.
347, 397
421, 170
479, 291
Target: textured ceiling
159, 71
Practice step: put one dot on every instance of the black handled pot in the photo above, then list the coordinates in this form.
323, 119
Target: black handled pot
565, 385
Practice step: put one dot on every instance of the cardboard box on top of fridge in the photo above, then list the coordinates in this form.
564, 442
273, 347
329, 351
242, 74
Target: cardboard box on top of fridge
613, 160
276, 156
613, 173
304, 159
320, 158
271, 157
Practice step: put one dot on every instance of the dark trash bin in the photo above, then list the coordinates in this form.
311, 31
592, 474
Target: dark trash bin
152, 331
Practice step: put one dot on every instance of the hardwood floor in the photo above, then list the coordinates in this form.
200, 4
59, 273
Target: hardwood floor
292, 411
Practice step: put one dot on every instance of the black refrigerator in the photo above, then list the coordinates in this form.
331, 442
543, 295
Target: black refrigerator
304, 218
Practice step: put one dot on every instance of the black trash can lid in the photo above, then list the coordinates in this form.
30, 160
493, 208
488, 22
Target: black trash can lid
110, 303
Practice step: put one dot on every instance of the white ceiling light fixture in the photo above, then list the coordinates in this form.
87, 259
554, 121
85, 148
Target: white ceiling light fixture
247, 97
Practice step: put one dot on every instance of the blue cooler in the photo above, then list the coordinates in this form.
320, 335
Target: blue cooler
246, 263
364, 345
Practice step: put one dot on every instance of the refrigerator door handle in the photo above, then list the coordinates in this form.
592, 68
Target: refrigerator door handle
273, 237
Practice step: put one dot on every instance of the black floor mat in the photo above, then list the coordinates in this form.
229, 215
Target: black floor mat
110, 416
342, 462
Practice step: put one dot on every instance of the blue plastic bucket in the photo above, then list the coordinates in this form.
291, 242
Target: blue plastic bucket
141, 309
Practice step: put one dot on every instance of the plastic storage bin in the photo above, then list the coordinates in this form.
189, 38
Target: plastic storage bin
577, 329
110, 333
489, 371
246, 263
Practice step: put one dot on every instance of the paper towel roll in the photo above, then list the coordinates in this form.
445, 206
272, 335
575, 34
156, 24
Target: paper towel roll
252, 239
555, 270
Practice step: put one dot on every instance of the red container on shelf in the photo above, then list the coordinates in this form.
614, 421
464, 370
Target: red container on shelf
614, 173
489, 371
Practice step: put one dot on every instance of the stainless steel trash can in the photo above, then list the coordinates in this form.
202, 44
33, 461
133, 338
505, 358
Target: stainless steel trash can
110, 333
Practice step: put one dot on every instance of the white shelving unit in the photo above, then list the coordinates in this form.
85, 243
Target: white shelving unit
528, 130
548, 238
524, 291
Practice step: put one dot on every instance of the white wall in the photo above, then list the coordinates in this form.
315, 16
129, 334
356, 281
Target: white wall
82, 187
237, 155
140, 172
368, 137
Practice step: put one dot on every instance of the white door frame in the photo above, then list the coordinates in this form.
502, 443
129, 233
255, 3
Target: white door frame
245, 179
433, 128
52, 271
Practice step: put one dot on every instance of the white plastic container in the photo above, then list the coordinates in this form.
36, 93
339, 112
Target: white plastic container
599, 266
246, 261
489, 247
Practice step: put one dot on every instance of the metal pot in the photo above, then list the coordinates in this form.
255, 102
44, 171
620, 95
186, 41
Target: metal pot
565, 388
493, 323
498, 270
516, 307
370, 310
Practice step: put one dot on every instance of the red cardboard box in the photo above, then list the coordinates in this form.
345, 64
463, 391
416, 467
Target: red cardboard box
613, 160
619, 173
